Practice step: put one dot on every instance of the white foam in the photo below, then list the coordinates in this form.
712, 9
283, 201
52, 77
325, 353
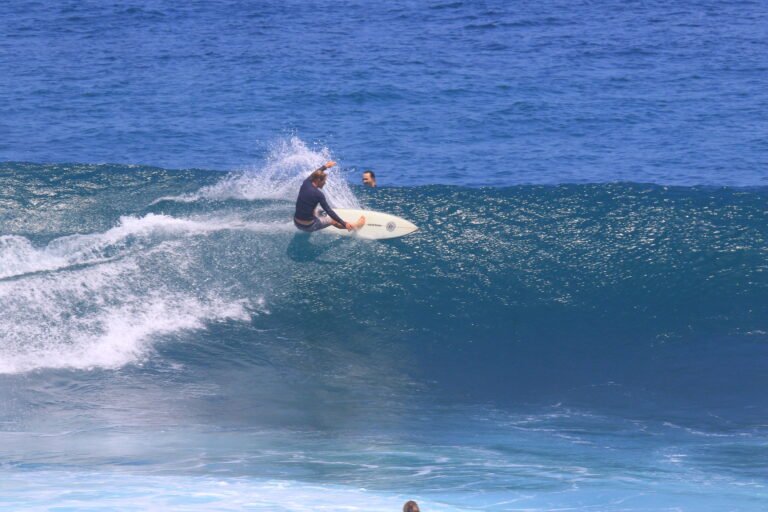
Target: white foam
103, 316
99, 300
37, 491
18, 256
288, 163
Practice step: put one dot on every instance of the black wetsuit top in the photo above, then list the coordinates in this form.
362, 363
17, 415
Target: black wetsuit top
309, 197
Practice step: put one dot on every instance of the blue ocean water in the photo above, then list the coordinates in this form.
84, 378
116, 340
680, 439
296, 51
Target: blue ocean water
579, 324
482, 93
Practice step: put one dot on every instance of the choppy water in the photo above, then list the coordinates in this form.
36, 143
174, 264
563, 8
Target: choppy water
485, 92
579, 323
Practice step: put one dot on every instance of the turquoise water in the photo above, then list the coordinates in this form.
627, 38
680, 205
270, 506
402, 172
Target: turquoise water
579, 323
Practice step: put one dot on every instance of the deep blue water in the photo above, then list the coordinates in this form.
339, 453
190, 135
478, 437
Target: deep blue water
484, 92
579, 323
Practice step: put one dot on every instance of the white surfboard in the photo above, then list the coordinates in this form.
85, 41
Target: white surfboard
378, 226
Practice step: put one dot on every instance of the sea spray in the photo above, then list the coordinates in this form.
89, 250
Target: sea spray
287, 164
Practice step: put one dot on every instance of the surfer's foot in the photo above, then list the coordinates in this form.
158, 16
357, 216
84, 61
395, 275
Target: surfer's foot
360, 223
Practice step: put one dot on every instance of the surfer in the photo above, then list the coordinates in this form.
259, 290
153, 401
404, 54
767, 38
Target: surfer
310, 196
369, 179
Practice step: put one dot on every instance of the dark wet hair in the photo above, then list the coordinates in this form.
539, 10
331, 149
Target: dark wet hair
411, 506
374, 177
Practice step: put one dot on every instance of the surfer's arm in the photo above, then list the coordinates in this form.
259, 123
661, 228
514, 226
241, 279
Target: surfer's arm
325, 166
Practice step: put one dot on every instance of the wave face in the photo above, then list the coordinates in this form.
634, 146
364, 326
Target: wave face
514, 293
175, 322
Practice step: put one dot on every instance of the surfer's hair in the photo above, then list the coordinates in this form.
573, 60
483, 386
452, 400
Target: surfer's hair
318, 176
411, 506
371, 173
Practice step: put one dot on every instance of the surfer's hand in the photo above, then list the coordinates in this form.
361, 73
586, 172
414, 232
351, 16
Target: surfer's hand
328, 165
349, 226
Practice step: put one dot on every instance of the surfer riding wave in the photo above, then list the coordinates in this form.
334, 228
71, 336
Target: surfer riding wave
310, 196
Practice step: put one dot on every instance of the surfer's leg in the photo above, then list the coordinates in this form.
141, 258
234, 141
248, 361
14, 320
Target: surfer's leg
323, 222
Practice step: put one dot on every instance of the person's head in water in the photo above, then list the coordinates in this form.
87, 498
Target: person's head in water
411, 506
369, 179
318, 178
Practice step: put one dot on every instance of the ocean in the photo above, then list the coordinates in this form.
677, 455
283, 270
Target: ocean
579, 323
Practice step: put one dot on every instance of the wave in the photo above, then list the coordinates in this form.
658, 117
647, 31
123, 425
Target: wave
101, 315
18, 255
86, 301
572, 290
